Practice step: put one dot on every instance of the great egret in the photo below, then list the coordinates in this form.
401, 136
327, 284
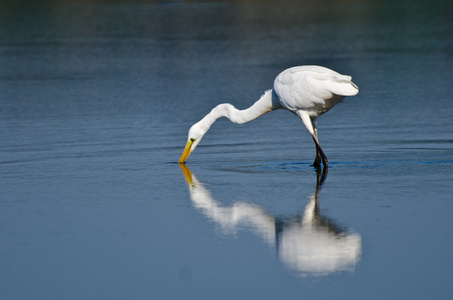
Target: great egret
306, 91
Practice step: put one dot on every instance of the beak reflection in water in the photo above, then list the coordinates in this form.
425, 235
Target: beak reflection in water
310, 244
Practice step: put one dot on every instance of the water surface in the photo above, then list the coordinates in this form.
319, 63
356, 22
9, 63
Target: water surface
95, 104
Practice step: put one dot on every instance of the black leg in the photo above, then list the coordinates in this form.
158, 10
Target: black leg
320, 156
317, 162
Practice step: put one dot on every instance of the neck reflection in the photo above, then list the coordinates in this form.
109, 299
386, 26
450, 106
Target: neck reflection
310, 244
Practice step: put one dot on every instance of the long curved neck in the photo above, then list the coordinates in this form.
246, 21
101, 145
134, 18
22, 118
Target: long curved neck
264, 105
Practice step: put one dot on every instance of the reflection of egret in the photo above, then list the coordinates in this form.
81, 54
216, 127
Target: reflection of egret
311, 244
307, 91
230, 218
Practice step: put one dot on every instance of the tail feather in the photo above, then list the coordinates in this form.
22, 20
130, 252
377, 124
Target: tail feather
343, 86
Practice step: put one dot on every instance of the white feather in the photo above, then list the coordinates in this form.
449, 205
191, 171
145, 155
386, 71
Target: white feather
307, 91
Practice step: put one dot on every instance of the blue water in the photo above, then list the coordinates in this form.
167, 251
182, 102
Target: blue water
95, 104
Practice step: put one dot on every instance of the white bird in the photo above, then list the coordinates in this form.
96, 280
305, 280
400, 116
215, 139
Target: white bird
306, 91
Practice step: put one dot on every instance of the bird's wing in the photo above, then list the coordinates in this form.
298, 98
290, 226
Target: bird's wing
334, 82
297, 91
342, 86
305, 87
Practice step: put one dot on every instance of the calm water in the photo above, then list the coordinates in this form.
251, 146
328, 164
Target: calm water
95, 104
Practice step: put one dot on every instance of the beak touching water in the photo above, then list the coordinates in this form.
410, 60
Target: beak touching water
186, 152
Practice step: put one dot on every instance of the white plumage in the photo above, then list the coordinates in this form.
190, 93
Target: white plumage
307, 91
313, 89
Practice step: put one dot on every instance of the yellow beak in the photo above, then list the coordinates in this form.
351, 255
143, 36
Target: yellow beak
186, 152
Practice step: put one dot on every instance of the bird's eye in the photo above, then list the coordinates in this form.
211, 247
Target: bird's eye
192, 140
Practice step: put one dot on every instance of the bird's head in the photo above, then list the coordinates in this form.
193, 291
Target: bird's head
196, 132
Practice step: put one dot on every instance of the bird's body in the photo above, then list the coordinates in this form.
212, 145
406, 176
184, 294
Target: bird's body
312, 89
307, 91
